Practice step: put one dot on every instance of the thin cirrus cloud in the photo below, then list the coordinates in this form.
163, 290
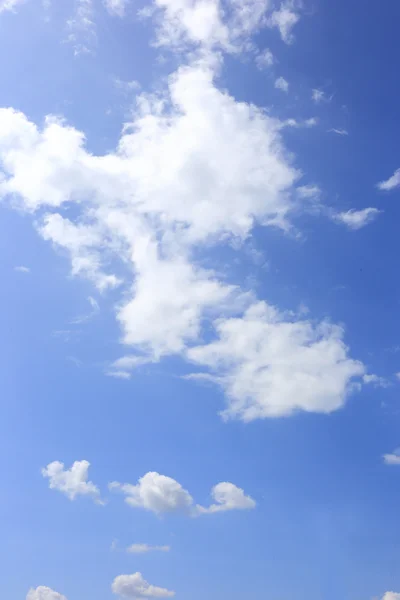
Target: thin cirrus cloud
44, 593
135, 587
390, 184
146, 548
72, 482
194, 169
161, 494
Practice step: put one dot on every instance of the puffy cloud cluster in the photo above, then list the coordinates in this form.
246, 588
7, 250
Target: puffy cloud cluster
44, 593
71, 482
270, 365
135, 587
160, 494
194, 169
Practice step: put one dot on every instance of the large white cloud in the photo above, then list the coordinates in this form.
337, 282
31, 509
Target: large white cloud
391, 596
194, 168
272, 365
135, 587
72, 482
44, 593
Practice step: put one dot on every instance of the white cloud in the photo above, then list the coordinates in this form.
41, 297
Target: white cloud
116, 7
285, 18
81, 27
160, 494
72, 482
356, 219
86, 317
264, 59
391, 596
145, 548
9, 4
342, 132
44, 593
228, 496
205, 23
156, 493
282, 84
270, 365
134, 587
391, 183
393, 458
319, 96
22, 269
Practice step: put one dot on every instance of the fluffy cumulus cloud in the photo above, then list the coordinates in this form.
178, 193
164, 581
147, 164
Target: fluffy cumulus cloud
270, 365
145, 548
391, 183
160, 494
228, 496
71, 482
135, 587
356, 219
282, 84
193, 169
156, 493
44, 593
391, 596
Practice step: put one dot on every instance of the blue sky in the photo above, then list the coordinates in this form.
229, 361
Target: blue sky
200, 342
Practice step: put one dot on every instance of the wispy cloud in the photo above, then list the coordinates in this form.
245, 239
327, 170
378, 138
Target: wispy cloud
391, 183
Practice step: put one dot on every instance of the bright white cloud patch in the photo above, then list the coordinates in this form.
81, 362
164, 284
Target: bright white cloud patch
391, 183
72, 482
282, 84
135, 587
145, 548
9, 4
391, 596
285, 18
356, 219
393, 458
22, 269
271, 365
228, 496
160, 494
116, 7
44, 593
156, 493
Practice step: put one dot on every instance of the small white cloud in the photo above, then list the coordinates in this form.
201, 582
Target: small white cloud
71, 482
81, 27
228, 496
160, 494
342, 132
282, 84
9, 4
393, 458
145, 548
22, 269
391, 183
264, 59
285, 18
127, 86
376, 381
44, 593
356, 219
116, 8
135, 587
391, 596
156, 493
309, 192
319, 96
